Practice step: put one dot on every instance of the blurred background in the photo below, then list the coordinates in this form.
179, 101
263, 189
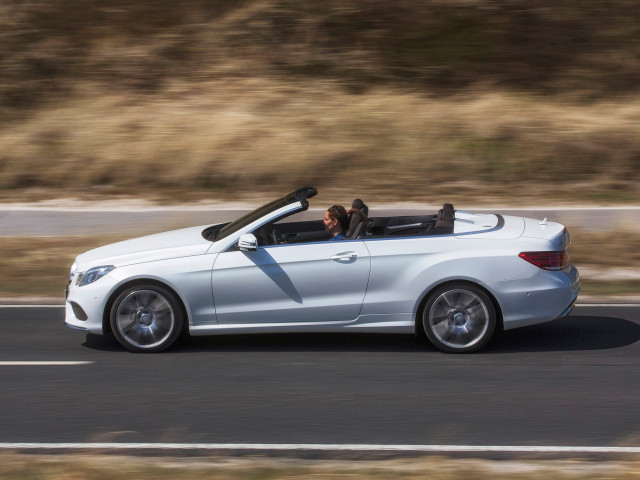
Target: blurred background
112, 106
403, 100
474, 102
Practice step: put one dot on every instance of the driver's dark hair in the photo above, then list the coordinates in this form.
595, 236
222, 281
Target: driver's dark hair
338, 212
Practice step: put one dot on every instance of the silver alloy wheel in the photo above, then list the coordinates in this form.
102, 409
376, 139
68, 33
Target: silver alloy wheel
145, 319
459, 318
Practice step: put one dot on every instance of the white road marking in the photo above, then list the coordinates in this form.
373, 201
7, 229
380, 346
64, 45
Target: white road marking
323, 447
608, 305
42, 362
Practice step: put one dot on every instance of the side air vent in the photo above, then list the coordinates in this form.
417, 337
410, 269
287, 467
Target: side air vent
78, 311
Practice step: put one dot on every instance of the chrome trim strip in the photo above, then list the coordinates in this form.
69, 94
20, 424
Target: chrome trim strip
569, 308
73, 327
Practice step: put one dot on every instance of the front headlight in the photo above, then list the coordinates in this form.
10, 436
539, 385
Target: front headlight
93, 274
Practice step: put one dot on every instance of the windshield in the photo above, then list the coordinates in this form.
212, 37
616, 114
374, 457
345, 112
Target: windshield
210, 233
299, 195
250, 217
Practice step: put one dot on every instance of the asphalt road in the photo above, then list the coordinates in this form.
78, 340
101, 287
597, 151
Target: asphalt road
575, 381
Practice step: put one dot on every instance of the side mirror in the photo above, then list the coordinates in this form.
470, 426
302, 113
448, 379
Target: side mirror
248, 242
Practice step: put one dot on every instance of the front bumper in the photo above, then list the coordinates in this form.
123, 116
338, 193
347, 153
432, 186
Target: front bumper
85, 306
73, 327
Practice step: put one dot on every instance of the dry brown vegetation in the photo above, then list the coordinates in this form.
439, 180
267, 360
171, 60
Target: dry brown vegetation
606, 250
33, 266
100, 467
410, 99
234, 134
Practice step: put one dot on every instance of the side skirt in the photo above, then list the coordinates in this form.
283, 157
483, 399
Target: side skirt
398, 323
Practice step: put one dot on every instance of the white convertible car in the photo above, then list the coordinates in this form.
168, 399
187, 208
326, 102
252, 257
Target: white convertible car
456, 276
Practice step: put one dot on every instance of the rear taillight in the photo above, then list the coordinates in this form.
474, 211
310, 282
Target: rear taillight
547, 260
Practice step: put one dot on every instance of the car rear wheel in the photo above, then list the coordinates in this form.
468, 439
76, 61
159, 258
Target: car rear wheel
459, 318
146, 318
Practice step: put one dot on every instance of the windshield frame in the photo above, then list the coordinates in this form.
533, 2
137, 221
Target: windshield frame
300, 195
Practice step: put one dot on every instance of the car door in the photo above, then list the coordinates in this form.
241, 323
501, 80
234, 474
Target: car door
300, 283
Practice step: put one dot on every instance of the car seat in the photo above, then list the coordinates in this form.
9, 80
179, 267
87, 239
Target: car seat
358, 214
444, 220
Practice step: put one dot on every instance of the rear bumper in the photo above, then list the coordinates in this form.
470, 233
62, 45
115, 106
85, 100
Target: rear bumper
569, 308
546, 296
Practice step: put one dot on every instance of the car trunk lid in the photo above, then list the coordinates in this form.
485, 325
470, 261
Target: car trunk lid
474, 225
556, 233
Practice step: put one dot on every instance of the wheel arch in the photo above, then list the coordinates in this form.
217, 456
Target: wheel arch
419, 329
106, 314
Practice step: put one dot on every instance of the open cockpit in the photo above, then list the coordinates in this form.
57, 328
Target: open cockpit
361, 226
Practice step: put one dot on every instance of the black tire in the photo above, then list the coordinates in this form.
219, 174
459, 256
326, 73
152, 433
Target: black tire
459, 318
146, 318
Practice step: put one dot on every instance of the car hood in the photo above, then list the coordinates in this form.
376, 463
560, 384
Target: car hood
174, 244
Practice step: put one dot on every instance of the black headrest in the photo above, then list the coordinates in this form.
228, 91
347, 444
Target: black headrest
357, 216
445, 219
448, 213
360, 205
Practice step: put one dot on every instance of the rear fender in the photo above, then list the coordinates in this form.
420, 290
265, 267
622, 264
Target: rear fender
419, 329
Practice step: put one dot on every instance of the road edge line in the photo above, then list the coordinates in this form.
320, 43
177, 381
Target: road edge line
320, 447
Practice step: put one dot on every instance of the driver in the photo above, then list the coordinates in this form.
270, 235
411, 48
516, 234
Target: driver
336, 222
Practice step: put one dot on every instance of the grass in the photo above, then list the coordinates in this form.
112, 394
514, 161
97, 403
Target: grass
219, 138
103, 467
39, 266
406, 100
33, 266
605, 249
433, 45
610, 288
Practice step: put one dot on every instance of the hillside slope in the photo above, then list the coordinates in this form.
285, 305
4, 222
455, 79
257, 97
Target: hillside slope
418, 98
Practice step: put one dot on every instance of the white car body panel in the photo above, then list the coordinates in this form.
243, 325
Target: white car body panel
372, 283
424, 264
175, 244
291, 283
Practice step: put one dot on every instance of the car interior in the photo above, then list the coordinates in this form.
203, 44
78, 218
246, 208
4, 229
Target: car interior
360, 226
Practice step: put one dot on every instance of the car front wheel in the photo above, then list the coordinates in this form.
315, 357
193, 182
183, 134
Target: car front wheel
459, 318
146, 318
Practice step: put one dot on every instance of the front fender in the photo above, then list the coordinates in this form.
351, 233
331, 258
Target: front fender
188, 277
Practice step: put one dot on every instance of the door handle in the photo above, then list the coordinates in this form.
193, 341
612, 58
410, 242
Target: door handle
345, 256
